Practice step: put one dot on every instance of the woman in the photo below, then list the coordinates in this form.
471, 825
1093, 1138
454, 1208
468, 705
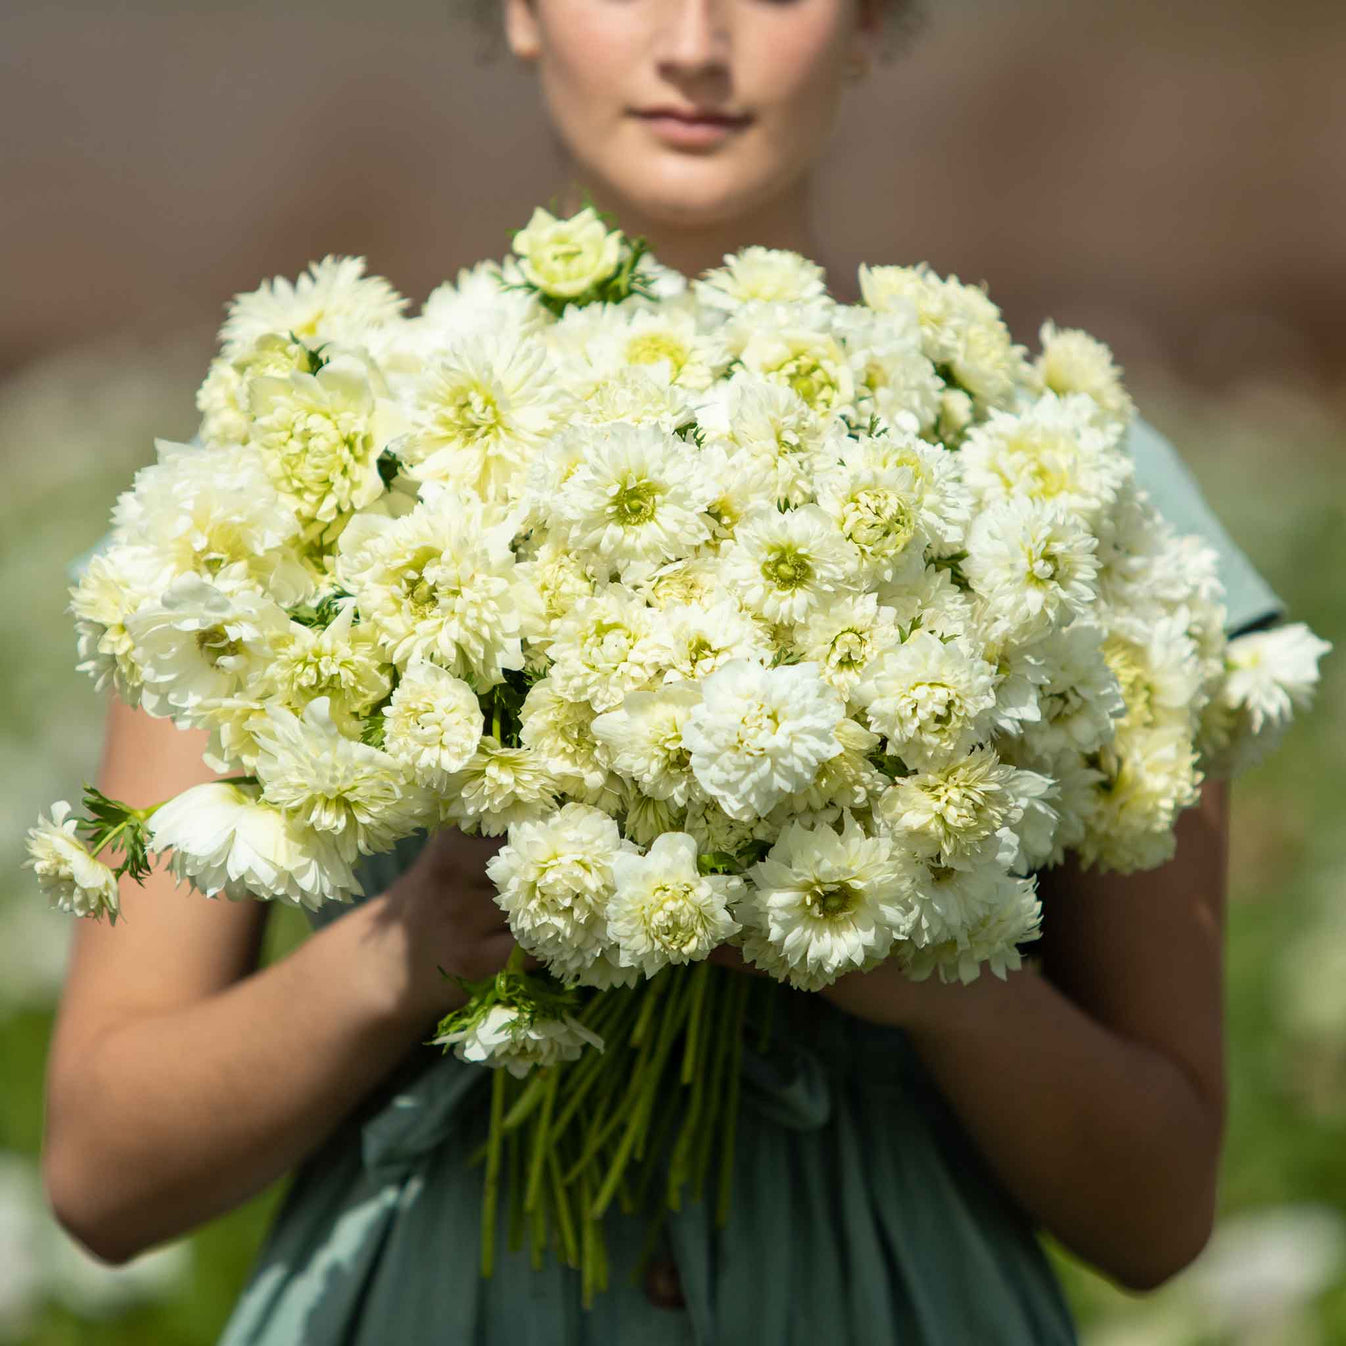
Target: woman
896, 1150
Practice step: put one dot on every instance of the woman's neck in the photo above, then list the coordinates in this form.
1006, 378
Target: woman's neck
783, 223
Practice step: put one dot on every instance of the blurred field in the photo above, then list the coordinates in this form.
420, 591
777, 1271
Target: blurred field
1273, 461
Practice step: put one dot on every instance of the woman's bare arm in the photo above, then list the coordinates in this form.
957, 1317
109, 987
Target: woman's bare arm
181, 1080
1096, 1092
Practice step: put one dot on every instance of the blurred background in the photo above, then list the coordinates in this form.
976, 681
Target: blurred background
1170, 176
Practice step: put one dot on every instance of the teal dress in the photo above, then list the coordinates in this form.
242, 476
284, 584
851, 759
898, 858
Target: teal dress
861, 1210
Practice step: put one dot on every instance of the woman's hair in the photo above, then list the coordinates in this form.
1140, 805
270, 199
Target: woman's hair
902, 22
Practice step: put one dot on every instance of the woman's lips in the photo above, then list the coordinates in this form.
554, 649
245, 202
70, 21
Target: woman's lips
691, 130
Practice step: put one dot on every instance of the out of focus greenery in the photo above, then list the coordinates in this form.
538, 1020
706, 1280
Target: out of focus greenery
1273, 462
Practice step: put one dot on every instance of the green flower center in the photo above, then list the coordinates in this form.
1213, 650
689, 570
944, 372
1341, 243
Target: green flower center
834, 900
652, 347
215, 644
635, 504
787, 567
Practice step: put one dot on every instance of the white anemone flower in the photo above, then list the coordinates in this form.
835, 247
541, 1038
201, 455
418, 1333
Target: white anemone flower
333, 301
483, 409
787, 566
320, 436
200, 511
1053, 452
760, 275
115, 584
1270, 674
226, 839
962, 815
358, 795
770, 424
499, 786
760, 734
664, 910
553, 880
442, 584
793, 345
510, 1037
643, 740
559, 732
637, 496
844, 638
932, 700
340, 661
202, 643
822, 904
692, 640
432, 724
1034, 565
989, 940
72, 880
877, 507
1075, 362
599, 650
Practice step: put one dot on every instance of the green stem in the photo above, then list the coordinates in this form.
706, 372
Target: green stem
731, 1104
540, 1142
565, 1222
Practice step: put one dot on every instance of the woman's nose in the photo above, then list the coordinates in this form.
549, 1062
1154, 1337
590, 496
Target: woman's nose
693, 37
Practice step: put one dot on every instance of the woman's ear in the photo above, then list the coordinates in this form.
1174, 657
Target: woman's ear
521, 29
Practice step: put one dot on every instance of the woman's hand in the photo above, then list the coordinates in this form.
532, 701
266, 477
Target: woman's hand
441, 914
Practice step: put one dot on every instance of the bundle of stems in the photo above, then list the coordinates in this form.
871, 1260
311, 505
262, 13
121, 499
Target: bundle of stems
642, 1122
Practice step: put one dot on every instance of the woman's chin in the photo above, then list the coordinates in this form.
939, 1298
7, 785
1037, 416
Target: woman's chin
692, 194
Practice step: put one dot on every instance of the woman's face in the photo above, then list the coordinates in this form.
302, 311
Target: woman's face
692, 111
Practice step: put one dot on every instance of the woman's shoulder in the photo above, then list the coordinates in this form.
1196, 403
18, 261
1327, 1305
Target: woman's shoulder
1250, 601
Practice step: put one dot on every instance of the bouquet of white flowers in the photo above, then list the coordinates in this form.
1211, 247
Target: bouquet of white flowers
749, 616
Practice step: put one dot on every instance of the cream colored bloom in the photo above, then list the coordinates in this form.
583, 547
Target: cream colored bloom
931, 700
320, 436
1033, 564
499, 786
341, 661
990, 939
202, 643
508, 1036
638, 497
1053, 452
560, 732
360, 797
846, 636
788, 566
554, 880
692, 640
72, 879
963, 815
760, 275
206, 511
115, 584
600, 650
226, 839
565, 258
642, 738
483, 408
760, 734
664, 910
432, 724
823, 904
1074, 362
794, 347
333, 301
774, 427
441, 583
